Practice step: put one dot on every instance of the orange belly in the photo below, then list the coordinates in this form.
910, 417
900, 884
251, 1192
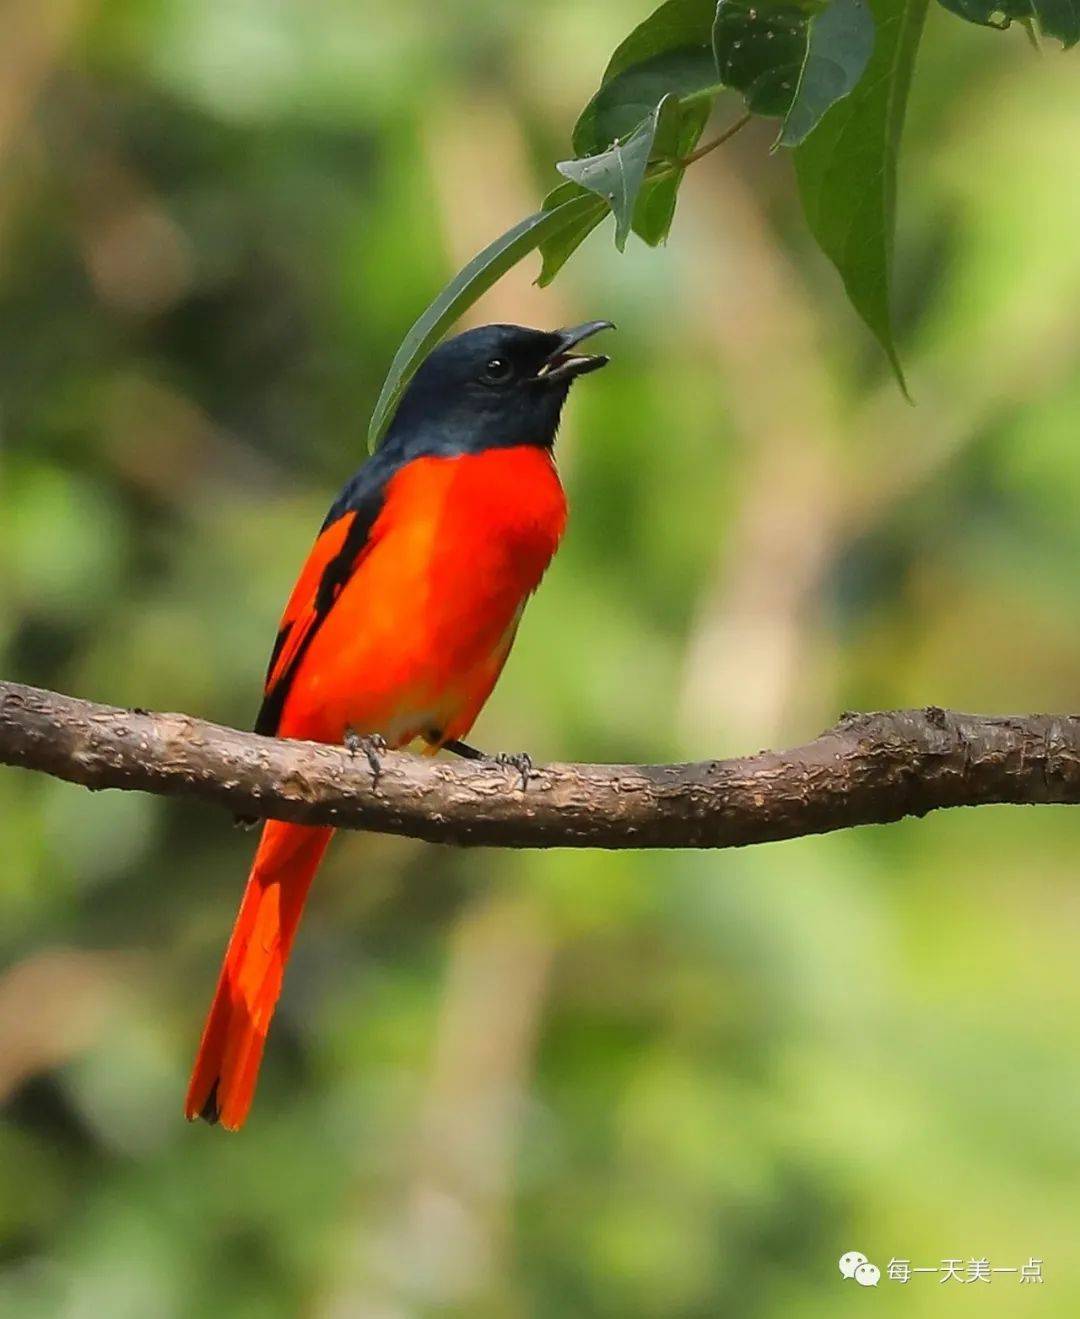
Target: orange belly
417, 638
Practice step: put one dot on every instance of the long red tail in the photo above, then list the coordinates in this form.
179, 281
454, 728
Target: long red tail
227, 1065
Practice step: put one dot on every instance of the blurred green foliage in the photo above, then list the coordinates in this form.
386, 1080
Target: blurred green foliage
534, 1084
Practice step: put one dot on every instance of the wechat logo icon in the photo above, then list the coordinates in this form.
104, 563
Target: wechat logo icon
855, 1265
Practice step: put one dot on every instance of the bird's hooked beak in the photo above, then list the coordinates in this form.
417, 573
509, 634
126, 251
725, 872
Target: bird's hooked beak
563, 363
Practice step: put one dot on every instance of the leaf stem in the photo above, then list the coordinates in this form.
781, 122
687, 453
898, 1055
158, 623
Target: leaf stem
725, 136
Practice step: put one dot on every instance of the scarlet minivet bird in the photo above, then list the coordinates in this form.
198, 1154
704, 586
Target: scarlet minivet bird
398, 627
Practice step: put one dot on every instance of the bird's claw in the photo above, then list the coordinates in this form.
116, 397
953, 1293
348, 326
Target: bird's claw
371, 745
521, 761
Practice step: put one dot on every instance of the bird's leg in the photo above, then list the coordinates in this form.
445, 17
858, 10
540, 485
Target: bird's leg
521, 760
372, 745
462, 749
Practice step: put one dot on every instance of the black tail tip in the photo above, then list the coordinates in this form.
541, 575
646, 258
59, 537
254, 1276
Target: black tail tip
210, 1112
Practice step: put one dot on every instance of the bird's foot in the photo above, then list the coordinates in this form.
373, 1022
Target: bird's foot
519, 760
372, 745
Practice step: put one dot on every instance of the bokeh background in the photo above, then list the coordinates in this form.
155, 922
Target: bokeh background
534, 1084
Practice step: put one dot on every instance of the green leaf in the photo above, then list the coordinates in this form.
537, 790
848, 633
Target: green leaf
675, 139
462, 291
760, 49
669, 53
557, 249
617, 174
1059, 19
793, 60
675, 25
624, 101
1055, 18
990, 13
839, 45
846, 170
655, 208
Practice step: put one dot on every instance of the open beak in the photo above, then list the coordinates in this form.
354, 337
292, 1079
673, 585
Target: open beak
564, 363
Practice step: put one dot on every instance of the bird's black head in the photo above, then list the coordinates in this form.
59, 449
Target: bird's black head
492, 387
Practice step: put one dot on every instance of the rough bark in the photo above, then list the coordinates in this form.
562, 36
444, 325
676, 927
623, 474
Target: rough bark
868, 769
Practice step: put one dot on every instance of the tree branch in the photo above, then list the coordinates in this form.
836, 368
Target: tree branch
868, 769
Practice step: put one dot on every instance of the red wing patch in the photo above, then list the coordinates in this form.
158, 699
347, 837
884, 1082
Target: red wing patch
300, 613
332, 561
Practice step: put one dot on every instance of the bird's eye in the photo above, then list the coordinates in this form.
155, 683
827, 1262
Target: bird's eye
497, 371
